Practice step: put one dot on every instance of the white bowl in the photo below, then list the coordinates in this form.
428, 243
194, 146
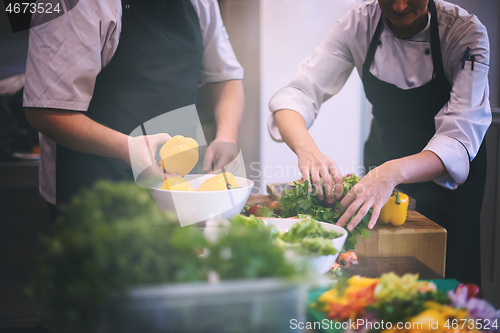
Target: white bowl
193, 206
321, 264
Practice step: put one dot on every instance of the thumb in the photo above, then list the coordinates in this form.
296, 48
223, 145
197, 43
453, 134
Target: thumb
158, 139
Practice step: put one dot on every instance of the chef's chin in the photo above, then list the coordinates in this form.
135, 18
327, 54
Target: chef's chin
401, 21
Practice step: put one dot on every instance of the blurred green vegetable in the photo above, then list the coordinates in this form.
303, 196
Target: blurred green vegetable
309, 233
113, 237
321, 246
247, 221
313, 237
247, 252
308, 228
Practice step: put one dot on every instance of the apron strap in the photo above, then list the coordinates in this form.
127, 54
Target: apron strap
373, 45
437, 59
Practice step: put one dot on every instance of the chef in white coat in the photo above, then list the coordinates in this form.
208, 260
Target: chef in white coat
104, 68
424, 67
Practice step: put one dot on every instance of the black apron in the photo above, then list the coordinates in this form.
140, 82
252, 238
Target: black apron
403, 124
155, 69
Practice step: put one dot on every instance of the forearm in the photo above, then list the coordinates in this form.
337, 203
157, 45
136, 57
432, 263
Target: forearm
293, 130
421, 167
229, 102
76, 131
312, 163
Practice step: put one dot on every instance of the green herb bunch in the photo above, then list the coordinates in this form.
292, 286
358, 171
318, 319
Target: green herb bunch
299, 201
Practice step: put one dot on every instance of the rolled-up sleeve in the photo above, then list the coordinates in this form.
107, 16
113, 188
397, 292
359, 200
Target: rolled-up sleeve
462, 123
318, 78
66, 54
219, 62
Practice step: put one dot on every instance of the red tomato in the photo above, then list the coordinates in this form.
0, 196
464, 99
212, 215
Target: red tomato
255, 210
276, 206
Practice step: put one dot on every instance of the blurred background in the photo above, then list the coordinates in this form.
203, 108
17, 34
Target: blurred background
270, 38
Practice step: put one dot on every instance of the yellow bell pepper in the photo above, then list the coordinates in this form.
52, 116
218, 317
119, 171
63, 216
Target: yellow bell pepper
176, 184
223, 181
179, 155
395, 209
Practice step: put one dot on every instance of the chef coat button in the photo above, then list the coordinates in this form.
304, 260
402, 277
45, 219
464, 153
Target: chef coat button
427, 51
127, 6
379, 42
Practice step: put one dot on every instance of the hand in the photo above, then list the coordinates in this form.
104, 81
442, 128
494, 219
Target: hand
312, 163
372, 191
220, 155
142, 151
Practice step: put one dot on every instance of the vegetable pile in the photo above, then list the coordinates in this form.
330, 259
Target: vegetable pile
391, 299
113, 237
299, 200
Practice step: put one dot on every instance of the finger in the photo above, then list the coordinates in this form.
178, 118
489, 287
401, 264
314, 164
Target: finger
327, 182
350, 211
317, 182
337, 180
375, 214
347, 201
208, 160
224, 158
305, 174
365, 208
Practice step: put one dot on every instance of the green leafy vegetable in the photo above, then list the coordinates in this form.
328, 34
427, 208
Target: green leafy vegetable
309, 233
313, 237
308, 228
247, 221
299, 201
321, 246
249, 253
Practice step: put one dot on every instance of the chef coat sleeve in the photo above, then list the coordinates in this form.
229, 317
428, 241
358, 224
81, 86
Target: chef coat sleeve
319, 77
462, 123
66, 54
219, 62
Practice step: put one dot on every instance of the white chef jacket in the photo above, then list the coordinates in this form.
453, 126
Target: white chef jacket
407, 63
66, 54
